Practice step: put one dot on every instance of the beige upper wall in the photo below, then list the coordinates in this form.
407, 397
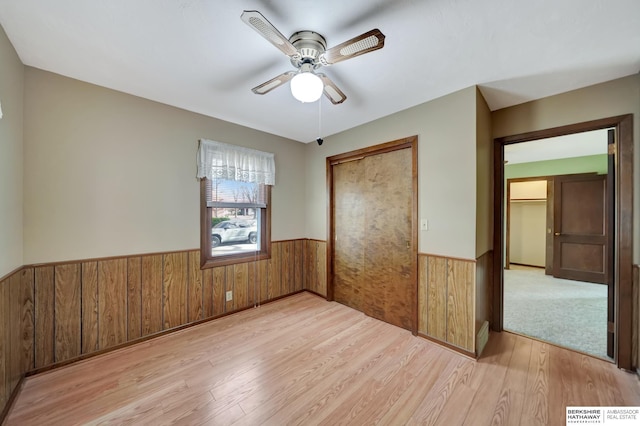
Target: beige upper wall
110, 174
11, 156
484, 177
613, 98
446, 129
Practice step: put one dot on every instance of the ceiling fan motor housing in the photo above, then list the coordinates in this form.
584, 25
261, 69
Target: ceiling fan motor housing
310, 46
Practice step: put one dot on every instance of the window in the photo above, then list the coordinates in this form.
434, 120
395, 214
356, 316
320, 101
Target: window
235, 197
237, 213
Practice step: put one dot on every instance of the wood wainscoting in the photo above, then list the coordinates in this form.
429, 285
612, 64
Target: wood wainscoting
16, 331
315, 267
454, 299
53, 314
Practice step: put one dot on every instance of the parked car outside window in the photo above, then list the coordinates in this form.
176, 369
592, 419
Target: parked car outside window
234, 231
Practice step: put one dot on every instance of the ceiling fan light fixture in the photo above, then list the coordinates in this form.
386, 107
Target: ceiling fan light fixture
307, 51
306, 86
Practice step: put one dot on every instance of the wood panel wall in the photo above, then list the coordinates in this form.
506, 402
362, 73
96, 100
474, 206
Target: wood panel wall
447, 300
59, 312
315, 267
17, 330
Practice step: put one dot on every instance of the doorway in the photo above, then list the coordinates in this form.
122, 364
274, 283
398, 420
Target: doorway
555, 288
620, 167
372, 243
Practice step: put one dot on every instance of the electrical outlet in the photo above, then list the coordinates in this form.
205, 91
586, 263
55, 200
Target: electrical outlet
229, 296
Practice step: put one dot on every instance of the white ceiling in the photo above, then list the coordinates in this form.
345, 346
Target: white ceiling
198, 54
568, 146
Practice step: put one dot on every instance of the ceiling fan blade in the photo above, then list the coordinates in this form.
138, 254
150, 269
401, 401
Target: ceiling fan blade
258, 22
331, 91
364, 43
275, 82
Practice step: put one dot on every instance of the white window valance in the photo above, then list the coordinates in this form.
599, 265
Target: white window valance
217, 160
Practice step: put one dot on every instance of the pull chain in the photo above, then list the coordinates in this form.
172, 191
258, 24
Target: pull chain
319, 139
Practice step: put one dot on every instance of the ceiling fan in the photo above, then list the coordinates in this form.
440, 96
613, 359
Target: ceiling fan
308, 51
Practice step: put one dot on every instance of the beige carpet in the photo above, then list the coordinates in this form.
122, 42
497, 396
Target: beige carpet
564, 312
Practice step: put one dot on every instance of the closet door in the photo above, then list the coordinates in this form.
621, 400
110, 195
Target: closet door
349, 235
374, 255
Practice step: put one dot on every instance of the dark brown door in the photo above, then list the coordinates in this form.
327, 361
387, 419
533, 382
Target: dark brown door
373, 254
580, 249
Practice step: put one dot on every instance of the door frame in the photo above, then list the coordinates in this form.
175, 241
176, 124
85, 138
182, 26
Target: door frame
623, 248
410, 142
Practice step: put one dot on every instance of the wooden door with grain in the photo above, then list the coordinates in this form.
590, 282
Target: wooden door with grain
374, 254
581, 246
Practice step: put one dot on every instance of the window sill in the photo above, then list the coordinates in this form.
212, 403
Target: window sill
214, 262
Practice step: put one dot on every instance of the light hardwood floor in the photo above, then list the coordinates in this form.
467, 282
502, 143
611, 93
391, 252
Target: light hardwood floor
302, 360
